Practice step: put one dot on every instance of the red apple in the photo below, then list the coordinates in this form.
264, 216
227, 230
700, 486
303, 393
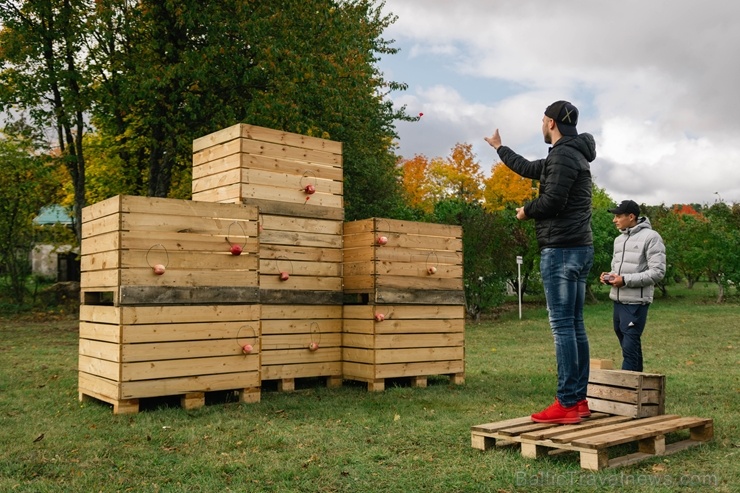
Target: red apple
236, 249
313, 346
382, 240
432, 270
247, 348
158, 269
379, 317
284, 276
310, 189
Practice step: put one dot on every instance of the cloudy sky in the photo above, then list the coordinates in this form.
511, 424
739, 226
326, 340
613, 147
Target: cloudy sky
657, 83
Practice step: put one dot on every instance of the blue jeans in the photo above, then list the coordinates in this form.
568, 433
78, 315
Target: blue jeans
629, 322
564, 272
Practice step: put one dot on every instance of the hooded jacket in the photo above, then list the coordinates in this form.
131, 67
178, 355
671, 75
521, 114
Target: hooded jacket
639, 257
562, 211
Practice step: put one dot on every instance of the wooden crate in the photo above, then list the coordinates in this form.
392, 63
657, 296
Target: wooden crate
270, 168
389, 261
125, 237
287, 334
596, 439
131, 352
300, 260
408, 341
626, 393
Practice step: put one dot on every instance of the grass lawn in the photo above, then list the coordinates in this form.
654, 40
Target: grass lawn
348, 439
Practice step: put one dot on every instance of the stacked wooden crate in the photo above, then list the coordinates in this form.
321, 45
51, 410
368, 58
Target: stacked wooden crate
296, 181
169, 301
404, 305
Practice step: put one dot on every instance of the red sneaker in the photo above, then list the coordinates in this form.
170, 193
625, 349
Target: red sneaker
583, 410
558, 414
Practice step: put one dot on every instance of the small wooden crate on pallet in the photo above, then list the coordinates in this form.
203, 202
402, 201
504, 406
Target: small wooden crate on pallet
388, 261
595, 438
626, 393
284, 173
125, 239
301, 341
403, 341
127, 353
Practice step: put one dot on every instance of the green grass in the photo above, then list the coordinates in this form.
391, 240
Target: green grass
351, 440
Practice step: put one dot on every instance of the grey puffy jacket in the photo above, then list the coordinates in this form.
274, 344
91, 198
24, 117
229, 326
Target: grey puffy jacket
639, 257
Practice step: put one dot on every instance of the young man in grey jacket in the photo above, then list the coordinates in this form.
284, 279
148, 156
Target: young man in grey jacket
637, 265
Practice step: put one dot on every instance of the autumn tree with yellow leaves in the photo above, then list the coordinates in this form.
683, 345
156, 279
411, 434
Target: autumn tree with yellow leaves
506, 188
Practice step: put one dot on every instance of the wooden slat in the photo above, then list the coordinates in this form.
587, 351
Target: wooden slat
500, 425
197, 383
160, 351
240, 161
263, 134
300, 341
422, 326
583, 425
644, 430
623, 378
109, 370
151, 370
396, 341
300, 356
300, 312
578, 435
411, 369
307, 208
418, 355
100, 332
187, 314
184, 331
302, 370
299, 253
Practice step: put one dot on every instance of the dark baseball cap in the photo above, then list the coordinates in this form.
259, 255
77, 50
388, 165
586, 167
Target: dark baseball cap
626, 207
565, 116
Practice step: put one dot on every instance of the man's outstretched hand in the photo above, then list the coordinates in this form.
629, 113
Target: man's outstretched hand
494, 140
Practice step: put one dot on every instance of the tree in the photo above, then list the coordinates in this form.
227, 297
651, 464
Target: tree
506, 188
459, 176
416, 182
43, 74
28, 185
721, 242
683, 235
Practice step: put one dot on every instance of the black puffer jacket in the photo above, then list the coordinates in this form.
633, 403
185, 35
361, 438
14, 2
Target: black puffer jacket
562, 212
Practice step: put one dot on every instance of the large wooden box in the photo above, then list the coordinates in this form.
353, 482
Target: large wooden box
283, 173
626, 393
301, 341
395, 341
132, 352
125, 238
390, 261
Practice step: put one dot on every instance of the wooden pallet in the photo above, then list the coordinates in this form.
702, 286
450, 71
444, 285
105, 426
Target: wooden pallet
595, 437
189, 400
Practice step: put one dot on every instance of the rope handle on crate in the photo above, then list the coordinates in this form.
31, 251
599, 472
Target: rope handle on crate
314, 344
432, 269
247, 347
235, 248
158, 269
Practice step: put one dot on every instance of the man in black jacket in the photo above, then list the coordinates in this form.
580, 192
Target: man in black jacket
562, 215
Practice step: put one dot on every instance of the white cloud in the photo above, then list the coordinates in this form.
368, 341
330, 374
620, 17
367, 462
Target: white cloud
655, 81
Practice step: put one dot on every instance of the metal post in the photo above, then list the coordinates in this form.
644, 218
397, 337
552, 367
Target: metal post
519, 283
